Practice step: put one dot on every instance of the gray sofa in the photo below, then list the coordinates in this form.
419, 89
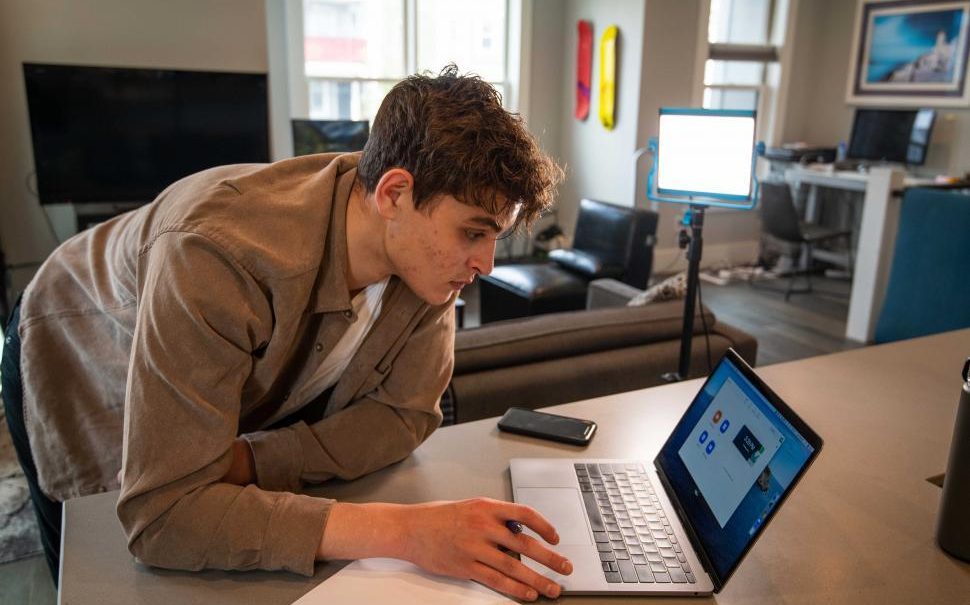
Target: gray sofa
556, 358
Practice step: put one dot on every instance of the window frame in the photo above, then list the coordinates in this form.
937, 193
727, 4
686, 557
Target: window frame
770, 95
299, 82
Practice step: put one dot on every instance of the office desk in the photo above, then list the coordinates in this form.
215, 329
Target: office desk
876, 239
859, 528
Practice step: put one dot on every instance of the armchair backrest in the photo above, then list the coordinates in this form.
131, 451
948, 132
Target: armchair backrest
618, 237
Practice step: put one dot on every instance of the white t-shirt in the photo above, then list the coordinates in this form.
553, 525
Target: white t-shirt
367, 306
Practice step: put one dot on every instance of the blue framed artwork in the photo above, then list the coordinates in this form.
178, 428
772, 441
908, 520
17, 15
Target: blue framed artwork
911, 53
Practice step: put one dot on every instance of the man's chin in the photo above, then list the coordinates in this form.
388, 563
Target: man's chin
439, 298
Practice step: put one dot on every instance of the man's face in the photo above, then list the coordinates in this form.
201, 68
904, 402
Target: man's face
440, 249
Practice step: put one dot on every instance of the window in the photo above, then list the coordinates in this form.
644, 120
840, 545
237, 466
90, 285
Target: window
742, 70
354, 51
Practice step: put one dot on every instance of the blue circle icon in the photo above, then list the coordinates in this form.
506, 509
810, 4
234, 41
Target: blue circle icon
725, 425
710, 447
703, 436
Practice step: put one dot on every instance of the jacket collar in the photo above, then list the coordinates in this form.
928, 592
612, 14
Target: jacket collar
331, 292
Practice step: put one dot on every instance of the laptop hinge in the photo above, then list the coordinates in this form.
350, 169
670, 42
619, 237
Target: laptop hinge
691, 535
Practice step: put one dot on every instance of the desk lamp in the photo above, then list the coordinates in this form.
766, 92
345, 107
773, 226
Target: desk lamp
702, 158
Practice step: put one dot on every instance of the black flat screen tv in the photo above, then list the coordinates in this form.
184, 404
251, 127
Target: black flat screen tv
891, 135
325, 136
106, 134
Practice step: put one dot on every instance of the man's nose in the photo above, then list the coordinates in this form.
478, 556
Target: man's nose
484, 260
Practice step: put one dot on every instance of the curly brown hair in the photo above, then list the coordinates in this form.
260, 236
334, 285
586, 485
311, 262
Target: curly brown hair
455, 138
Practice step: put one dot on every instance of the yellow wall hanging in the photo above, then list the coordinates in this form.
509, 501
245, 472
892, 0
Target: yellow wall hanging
608, 76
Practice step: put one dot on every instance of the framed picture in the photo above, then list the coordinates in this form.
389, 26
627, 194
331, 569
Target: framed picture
910, 53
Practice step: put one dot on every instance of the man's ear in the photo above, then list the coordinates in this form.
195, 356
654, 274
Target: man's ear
394, 191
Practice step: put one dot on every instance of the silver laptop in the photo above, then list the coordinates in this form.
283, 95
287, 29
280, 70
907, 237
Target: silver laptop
682, 524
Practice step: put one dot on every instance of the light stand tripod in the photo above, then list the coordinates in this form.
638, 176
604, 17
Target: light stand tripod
701, 143
695, 247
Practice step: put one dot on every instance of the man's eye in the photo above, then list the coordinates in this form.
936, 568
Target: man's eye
474, 235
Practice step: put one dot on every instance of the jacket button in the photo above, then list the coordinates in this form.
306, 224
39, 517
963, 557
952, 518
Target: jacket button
318, 347
286, 396
348, 314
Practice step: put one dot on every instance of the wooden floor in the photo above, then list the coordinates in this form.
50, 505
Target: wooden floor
805, 326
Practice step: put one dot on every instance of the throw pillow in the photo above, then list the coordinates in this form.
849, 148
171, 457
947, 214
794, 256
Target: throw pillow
671, 288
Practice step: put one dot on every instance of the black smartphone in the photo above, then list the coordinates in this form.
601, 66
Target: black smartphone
575, 431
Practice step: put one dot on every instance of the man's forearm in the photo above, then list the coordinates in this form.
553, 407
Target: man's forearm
354, 531
458, 539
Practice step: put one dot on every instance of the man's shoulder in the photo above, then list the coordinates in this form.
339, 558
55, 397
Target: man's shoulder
297, 175
274, 218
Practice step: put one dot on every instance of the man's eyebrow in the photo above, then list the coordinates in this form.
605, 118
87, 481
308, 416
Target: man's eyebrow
487, 222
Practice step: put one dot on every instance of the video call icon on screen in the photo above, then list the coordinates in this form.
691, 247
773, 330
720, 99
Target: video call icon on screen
749, 446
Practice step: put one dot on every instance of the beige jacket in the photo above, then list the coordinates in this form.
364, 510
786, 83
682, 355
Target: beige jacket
152, 340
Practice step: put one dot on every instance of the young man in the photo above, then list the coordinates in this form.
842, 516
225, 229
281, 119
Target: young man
258, 327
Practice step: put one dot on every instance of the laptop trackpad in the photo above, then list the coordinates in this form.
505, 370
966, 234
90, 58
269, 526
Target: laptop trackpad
563, 507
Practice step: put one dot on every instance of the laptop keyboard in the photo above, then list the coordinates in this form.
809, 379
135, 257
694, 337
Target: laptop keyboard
633, 535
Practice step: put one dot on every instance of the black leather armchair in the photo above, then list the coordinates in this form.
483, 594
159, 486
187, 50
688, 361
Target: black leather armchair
610, 241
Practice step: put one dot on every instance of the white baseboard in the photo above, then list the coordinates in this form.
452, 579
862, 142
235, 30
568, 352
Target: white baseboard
674, 260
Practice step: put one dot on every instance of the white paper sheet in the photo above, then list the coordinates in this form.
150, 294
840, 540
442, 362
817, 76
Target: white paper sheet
398, 582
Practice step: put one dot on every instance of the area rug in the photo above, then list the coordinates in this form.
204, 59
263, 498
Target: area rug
19, 537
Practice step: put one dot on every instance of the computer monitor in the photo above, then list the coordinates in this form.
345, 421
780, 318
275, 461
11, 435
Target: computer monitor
706, 153
891, 135
326, 136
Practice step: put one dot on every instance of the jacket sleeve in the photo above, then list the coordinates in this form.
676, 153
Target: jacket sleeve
199, 318
380, 428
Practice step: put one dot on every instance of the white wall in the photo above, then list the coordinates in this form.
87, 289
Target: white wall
220, 35
548, 50
599, 161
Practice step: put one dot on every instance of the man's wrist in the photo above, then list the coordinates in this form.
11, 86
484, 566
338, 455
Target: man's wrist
358, 531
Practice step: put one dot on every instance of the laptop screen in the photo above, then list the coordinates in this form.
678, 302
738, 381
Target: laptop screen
732, 458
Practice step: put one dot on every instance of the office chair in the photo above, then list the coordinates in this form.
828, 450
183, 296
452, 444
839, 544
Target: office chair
780, 220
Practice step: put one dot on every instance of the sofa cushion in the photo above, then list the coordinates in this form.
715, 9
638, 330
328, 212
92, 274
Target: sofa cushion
556, 335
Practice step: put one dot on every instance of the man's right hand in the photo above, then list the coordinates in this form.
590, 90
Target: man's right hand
458, 539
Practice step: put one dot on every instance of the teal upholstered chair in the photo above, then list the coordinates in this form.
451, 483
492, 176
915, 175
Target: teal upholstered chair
929, 283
